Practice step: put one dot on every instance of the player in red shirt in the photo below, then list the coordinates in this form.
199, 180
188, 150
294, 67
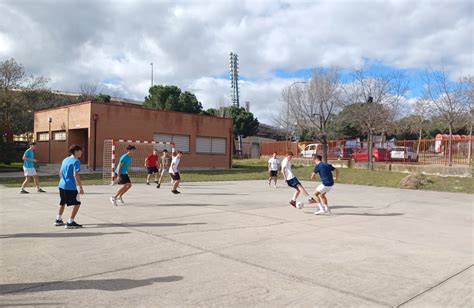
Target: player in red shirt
151, 166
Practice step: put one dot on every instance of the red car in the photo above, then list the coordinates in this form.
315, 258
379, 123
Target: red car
378, 154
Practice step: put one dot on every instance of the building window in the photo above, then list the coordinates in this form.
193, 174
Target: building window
59, 136
43, 136
210, 145
181, 141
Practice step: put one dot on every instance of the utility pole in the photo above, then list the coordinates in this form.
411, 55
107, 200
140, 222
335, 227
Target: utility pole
151, 73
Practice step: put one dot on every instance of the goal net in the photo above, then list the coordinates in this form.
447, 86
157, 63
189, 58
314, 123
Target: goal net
114, 149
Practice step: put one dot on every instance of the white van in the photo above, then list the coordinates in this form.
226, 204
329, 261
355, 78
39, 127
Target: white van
310, 149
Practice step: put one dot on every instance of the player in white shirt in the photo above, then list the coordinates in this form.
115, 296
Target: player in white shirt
273, 163
292, 181
174, 171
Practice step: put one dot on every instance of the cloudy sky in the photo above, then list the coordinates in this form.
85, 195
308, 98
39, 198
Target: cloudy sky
278, 42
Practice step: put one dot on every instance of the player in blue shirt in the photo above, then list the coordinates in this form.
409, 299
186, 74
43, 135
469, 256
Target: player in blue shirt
325, 173
122, 174
69, 181
29, 169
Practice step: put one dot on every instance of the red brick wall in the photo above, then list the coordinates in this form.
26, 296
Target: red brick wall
118, 122
136, 123
63, 119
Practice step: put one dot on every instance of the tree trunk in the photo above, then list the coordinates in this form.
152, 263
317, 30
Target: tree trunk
419, 142
369, 151
325, 148
450, 142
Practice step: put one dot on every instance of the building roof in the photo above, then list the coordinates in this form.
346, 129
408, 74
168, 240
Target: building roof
129, 105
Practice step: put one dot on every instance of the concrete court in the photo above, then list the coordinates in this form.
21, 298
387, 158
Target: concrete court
239, 244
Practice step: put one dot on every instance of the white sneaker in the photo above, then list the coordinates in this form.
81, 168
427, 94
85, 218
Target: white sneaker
120, 200
319, 212
275, 186
268, 184
113, 201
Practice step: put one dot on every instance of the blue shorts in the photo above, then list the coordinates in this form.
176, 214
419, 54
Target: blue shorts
293, 183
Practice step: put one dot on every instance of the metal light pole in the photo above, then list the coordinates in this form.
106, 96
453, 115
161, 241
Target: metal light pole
49, 140
151, 73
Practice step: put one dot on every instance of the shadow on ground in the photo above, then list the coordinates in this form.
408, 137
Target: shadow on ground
144, 224
361, 214
180, 204
59, 234
100, 284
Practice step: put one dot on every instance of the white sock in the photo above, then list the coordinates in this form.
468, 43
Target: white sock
58, 217
325, 207
70, 221
320, 206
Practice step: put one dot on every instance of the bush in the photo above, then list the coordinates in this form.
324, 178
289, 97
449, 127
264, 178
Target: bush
7, 152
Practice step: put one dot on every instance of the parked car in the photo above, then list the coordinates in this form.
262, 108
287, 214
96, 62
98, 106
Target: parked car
21, 146
403, 153
311, 149
379, 154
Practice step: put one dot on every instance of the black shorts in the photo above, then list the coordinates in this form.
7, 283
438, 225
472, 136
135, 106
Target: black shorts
123, 179
273, 173
293, 183
68, 197
152, 170
175, 176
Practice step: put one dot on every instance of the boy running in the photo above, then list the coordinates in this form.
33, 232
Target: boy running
325, 173
151, 166
165, 163
69, 180
273, 163
174, 171
123, 178
29, 169
292, 181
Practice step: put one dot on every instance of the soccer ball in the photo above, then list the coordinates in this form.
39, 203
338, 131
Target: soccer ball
299, 205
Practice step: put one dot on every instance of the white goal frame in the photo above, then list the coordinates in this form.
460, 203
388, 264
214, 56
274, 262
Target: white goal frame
113, 156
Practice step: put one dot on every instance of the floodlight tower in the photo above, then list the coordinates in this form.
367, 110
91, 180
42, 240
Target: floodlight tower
234, 78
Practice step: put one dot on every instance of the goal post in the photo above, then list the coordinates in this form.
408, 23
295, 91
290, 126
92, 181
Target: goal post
115, 148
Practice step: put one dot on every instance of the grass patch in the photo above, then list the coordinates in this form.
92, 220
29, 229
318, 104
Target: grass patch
254, 169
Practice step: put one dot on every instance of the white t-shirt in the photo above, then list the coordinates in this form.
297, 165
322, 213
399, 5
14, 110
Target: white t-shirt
174, 165
286, 169
273, 162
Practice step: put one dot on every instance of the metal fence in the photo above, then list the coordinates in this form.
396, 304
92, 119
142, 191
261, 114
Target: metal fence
423, 152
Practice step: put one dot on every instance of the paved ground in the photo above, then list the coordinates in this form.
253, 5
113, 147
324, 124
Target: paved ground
239, 244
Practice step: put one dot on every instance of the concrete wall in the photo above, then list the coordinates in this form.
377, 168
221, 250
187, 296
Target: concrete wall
136, 123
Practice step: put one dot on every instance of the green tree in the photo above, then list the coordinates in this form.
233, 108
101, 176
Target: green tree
245, 123
166, 97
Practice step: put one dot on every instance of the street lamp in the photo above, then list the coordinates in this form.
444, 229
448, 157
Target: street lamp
288, 108
49, 140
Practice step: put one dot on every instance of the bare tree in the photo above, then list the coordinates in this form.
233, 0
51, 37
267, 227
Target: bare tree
314, 105
373, 101
422, 113
450, 100
19, 94
89, 90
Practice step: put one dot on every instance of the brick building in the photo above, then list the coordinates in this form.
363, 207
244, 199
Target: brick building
206, 141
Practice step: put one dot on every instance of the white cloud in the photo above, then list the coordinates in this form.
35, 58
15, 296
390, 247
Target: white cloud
188, 41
